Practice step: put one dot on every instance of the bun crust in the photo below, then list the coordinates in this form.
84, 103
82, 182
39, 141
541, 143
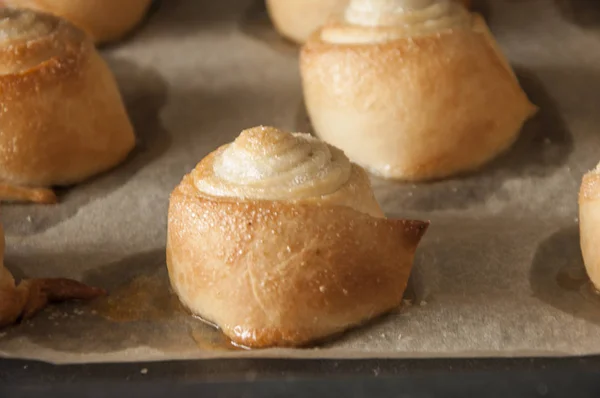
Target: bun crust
413, 107
287, 272
589, 224
63, 118
104, 20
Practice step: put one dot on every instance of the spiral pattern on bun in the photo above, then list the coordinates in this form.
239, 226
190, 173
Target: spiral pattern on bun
265, 163
18, 26
103, 20
23, 40
298, 19
372, 21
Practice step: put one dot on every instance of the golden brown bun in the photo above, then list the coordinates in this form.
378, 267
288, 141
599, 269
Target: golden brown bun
288, 271
104, 20
412, 101
589, 224
24, 300
63, 118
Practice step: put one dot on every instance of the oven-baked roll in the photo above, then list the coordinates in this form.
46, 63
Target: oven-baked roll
278, 239
24, 300
104, 20
297, 19
63, 119
589, 224
412, 89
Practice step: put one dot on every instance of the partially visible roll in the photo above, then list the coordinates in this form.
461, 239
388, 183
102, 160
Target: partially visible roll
104, 20
589, 224
24, 300
297, 19
412, 89
277, 238
63, 119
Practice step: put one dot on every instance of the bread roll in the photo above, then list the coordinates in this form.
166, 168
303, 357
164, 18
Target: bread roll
24, 300
589, 224
412, 89
278, 239
63, 119
296, 20
104, 20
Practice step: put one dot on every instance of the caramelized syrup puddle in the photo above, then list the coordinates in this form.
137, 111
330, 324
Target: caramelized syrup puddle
149, 298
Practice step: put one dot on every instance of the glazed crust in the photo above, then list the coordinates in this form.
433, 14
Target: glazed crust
419, 108
279, 273
589, 224
63, 118
104, 20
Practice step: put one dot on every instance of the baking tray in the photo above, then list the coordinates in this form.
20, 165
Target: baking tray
508, 229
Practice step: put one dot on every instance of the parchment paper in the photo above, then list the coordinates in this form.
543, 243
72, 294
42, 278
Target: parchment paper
498, 274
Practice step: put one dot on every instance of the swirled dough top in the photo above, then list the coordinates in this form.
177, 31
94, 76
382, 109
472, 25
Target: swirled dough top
266, 163
23, 25
369, 21
27, 38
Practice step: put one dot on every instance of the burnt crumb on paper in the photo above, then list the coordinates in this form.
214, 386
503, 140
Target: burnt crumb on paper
140, 310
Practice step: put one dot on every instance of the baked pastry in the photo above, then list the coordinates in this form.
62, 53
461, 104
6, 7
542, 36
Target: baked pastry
63, 119
589, 224
278, 239
24, 300
104, 20
296, 20
412, 89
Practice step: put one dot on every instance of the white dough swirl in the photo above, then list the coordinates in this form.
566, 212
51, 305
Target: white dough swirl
23, 25
384, 20
266, 163
27, 39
